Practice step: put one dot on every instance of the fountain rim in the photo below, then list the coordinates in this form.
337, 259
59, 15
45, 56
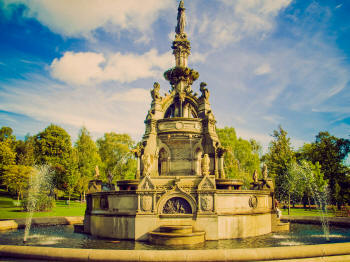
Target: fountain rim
340, 251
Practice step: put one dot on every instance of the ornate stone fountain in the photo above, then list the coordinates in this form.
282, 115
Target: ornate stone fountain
180, 179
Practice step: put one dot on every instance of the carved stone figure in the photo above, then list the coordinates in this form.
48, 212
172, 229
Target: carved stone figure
177, 205
146, 160
204, 90
264, 172
253, 201
205, 164
255, 177
155, 91
181, 19
207, 202
97, 172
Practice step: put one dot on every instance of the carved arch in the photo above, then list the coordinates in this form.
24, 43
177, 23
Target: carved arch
176, 194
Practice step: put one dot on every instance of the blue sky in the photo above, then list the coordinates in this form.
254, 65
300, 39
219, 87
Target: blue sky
92, 63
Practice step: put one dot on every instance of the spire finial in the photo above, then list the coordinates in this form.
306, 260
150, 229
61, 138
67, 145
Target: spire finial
181, 19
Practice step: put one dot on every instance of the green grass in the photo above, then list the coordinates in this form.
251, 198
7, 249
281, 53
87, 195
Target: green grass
305, 212
8, 210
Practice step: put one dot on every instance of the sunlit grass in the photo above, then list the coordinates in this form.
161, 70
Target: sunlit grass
8, 209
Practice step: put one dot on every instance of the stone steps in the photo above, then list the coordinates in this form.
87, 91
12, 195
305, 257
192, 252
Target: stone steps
170, 235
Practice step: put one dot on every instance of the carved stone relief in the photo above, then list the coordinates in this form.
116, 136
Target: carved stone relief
177, 205
104, 202
146, 203
207, 202
253, 201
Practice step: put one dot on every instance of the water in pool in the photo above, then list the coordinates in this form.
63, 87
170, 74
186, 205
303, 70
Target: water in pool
63, 236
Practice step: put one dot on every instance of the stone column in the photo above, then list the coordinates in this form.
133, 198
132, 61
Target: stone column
220, 152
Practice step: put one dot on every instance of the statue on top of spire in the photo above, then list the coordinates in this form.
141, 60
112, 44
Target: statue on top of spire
181, 18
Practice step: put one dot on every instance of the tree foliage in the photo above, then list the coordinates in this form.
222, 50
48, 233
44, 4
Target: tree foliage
242, 156
115, 151
16, 178
330, 152
279, 157
88, 159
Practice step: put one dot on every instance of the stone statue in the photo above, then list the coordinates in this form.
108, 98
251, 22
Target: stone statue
110, 177
206, 164
204, 90
181, 19
255, 177
97, 172
264, 172
155, 91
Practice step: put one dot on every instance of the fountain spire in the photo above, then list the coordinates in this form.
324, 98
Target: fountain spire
181, 77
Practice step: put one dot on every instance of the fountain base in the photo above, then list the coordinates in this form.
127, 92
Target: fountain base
170, 235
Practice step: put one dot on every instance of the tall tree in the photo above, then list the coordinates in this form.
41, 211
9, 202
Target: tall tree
330, 152
279, 157
88, 159
115, 151
53, 147
25, 151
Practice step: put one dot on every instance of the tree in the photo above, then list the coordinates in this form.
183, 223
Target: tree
7, 157
115, 151
72, 174
25, 151
6, 134
330, 152
279, 157
53, 147
88, 159
242, 156
16, 178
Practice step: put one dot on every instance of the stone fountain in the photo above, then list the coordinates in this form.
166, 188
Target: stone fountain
180, 194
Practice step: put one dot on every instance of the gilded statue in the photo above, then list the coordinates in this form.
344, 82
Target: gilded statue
264, 172
255, 176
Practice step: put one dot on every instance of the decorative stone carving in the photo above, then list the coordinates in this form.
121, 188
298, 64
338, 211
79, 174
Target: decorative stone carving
155, 91
205, 164
97, 172
255, 177
147, 163
181, 19
253, 201
206, 202
264, 172
177, 205
146, 184
104, 202
206, 184
146, 203
205, 92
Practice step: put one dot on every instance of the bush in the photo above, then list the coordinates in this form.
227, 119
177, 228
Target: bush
39, 204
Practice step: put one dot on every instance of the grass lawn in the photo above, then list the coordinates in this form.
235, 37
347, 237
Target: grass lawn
8, 210
305, 212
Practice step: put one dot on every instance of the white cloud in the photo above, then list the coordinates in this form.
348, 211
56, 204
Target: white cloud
91, 68
122, 110
263, 69
81, 17
235, 20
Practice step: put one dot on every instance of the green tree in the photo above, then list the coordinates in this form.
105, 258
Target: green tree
53, 147
115, 151
330, 152
16, 179
6, 134
72, 174
279, 157
7, 157
242, 156
88, 159
25, 151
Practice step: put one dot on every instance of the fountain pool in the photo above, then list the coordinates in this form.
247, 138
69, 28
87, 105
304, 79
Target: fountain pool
64, 237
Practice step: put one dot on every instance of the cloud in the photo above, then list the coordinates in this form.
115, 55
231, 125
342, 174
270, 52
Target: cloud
120, 109
81, 17
263, 69
90, 68
235, 20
